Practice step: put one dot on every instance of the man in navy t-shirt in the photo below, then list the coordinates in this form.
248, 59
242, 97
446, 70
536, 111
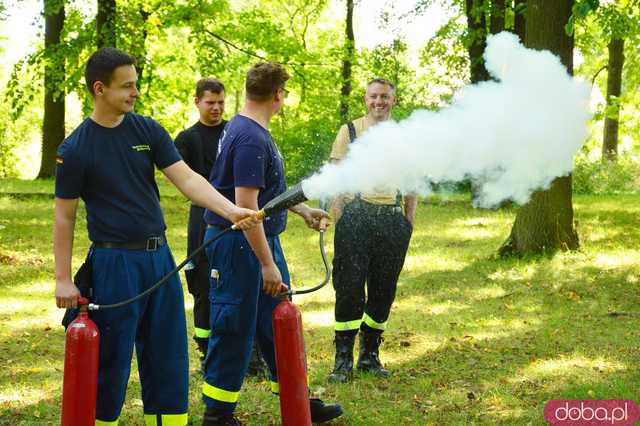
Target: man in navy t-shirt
109, 161
248, 270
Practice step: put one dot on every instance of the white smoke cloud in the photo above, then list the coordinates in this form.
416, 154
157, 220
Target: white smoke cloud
515, 135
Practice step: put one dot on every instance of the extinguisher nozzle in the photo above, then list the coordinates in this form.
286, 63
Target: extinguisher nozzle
291, 197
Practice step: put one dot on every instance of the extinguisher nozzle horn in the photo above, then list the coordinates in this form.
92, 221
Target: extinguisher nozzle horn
289, 198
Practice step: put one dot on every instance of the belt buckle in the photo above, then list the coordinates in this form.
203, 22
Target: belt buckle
153, 243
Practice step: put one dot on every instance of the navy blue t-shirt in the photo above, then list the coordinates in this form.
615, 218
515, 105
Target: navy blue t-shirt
248, 157
112, 170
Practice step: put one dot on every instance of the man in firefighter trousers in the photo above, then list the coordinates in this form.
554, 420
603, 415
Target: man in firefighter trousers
248, 270
109, 162
371, 240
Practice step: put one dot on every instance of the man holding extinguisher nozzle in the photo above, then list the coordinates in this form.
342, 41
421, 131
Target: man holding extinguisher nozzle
248, 270
109, 162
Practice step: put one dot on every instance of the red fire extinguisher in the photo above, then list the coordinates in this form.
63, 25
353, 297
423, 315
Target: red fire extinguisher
80, 385
291, 363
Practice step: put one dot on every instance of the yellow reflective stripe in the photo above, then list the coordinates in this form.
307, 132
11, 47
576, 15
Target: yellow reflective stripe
348, 325
371, 323
166, 419
201, 333
219, 394
105, 423
275, 387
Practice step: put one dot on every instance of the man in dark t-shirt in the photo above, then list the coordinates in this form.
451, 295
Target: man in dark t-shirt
109, 162
198, 146
248, 270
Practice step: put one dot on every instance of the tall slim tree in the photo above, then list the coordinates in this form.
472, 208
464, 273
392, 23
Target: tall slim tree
54, 108
498, 11
347, 63
477, 29
545, 223
519, 10
106, 23
614, 90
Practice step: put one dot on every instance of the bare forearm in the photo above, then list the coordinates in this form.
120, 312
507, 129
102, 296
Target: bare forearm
410, 207
258, 242
299, 209
338, 206
63, 246
201, 193
198, 190
255, 236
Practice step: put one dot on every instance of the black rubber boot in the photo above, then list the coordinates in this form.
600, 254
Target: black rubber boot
369, 358
203, 345
257, 366
344, 356
321, 412
213, 418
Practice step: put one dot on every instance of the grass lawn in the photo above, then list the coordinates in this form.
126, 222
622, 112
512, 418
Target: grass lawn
472, 339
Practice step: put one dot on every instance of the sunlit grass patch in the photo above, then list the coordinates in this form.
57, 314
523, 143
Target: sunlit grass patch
569, 365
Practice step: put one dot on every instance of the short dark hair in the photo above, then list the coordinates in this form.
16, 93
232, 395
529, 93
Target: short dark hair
264, 79
383, 81
102, 63
213, 85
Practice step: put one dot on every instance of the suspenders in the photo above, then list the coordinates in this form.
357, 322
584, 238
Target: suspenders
352, 131
352, 137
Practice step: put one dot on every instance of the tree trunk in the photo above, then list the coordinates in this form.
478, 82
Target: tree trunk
139, 51
519, 10
477, 28
614, 90
347, 63
54, 109
106, 23
141, 55
497, 16
545, 223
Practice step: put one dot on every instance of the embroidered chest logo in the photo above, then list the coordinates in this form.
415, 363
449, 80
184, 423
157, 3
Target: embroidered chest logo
141, 148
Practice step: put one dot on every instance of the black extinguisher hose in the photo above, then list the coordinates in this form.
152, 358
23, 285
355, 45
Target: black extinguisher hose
327, 271
165, 279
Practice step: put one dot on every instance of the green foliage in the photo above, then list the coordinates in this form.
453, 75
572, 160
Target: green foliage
176, 44
607, 177
580, 10
445, 62
592, 35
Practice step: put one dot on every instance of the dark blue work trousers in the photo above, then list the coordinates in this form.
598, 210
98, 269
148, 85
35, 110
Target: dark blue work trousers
155, 325
240, 311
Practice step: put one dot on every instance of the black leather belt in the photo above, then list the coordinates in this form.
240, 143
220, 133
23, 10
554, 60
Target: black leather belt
377, 208
150, 244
